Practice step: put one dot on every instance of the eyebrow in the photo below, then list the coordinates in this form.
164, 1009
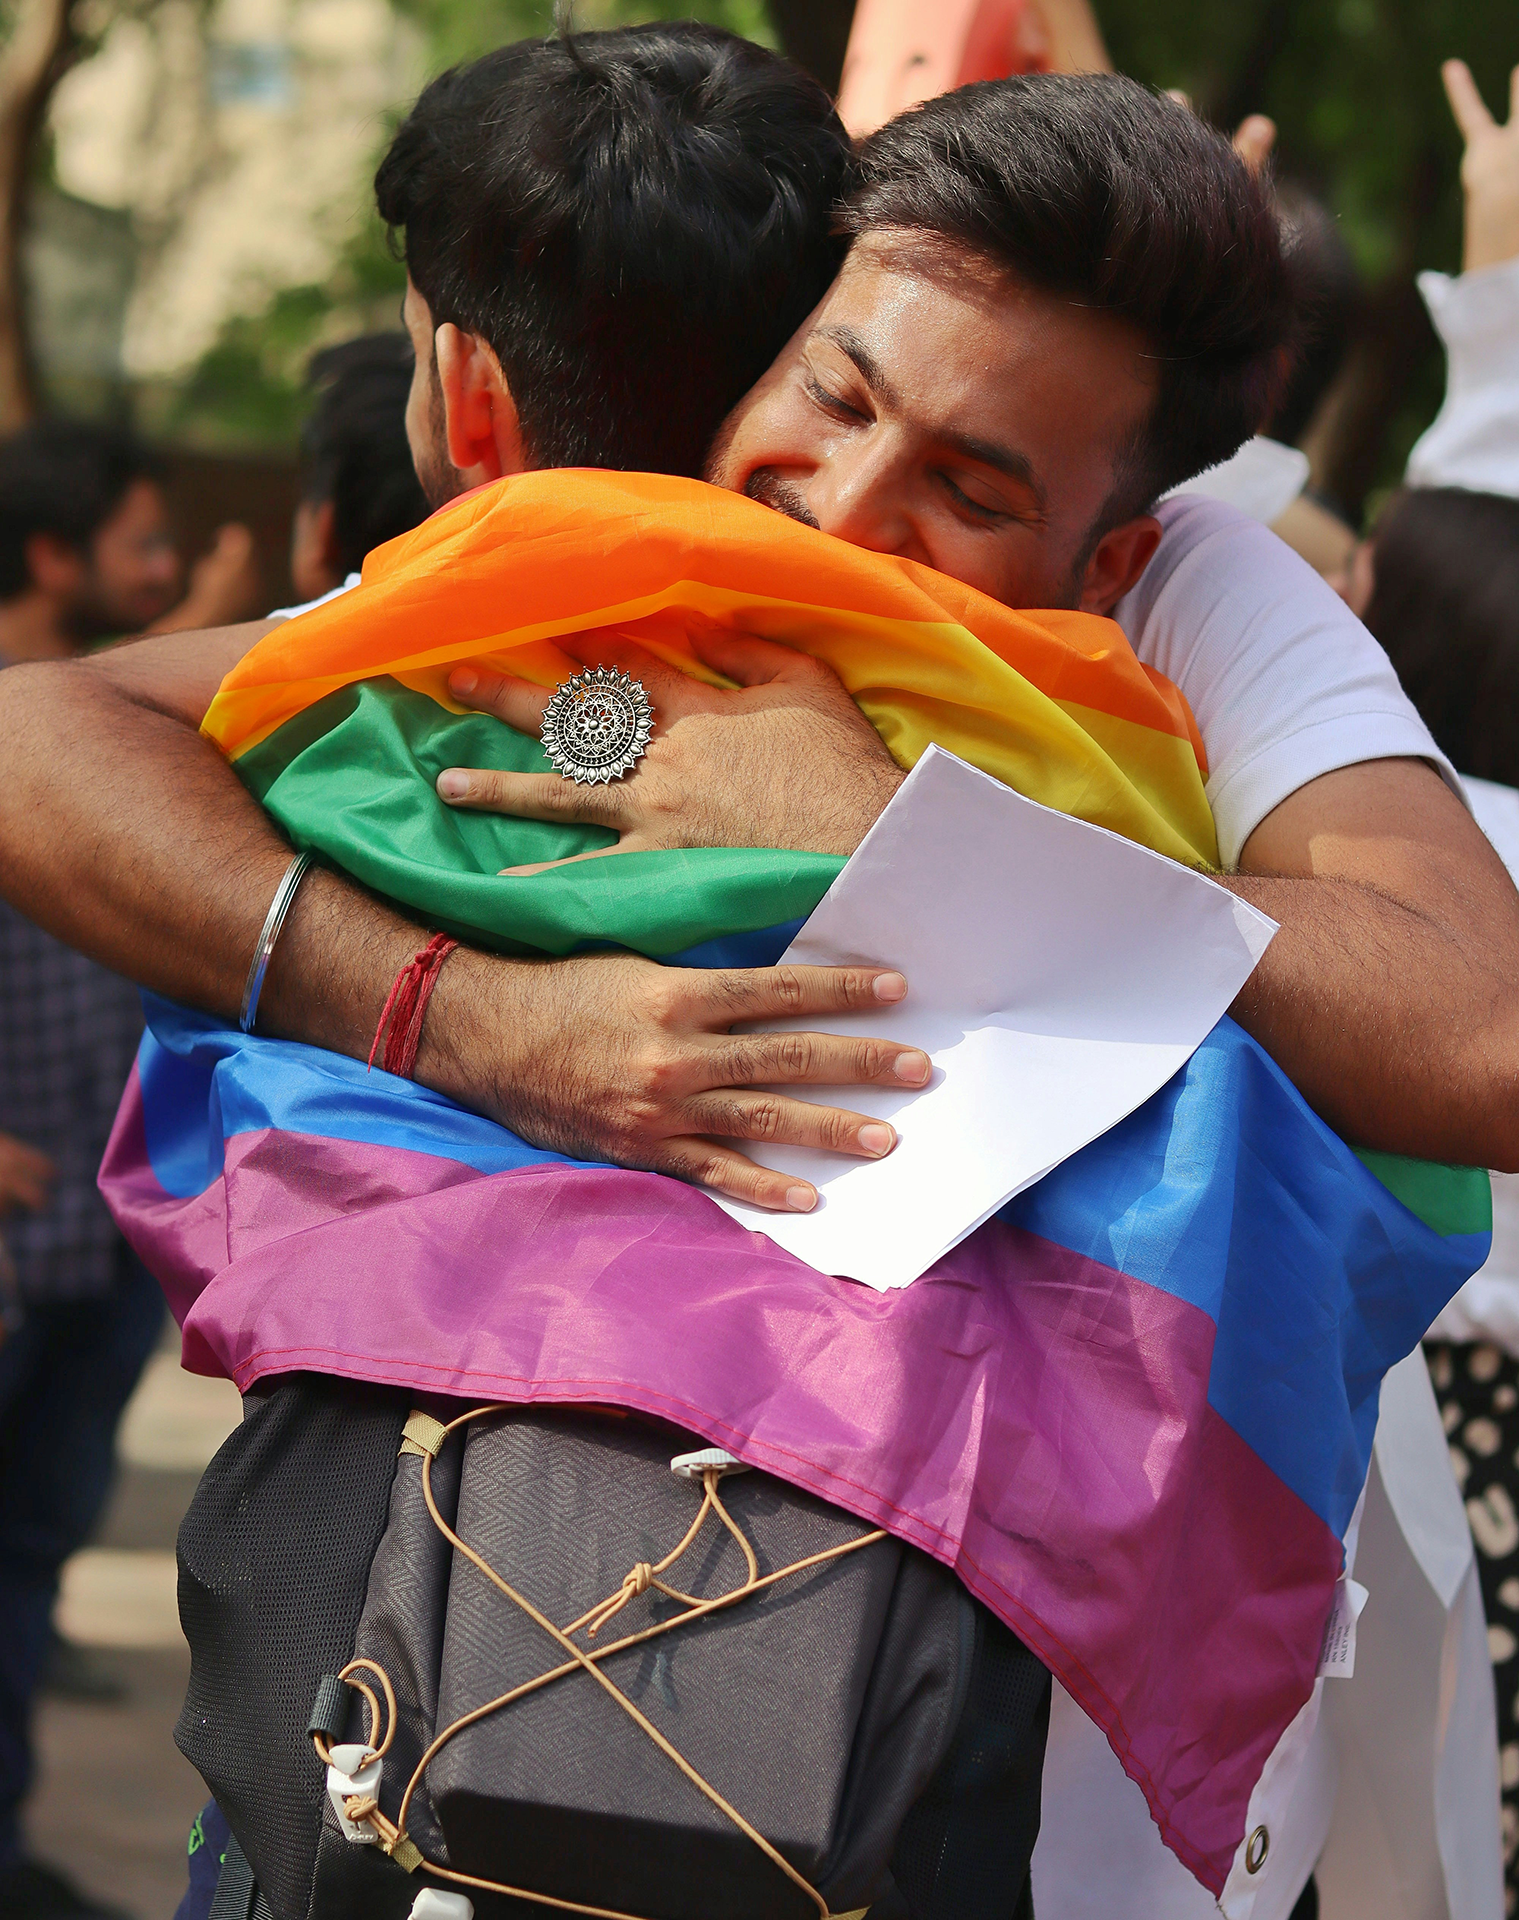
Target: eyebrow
987, 453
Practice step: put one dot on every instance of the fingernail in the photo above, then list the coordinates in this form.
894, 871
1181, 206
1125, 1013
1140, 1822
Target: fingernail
876, 1139
453, 784
890, 986
463, 680
801, 1199
914, 1068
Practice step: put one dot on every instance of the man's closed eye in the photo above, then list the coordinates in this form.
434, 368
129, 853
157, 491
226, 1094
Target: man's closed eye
831, 403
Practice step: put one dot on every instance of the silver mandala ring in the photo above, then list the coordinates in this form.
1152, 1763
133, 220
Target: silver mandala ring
596, 727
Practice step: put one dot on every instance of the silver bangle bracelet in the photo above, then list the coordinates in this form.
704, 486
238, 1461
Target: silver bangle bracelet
279, 906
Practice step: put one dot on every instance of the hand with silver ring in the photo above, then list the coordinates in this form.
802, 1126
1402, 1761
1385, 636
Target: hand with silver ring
596, 726
782, 759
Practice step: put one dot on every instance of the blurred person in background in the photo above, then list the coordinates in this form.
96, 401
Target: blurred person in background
1269, 476
1472, 446
1438, 584
87, 550
1443, 571
86, 555
360, 488
1310, 523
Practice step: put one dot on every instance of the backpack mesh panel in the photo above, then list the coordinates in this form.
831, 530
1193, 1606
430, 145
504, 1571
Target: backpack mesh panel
965, 1847
274, 1557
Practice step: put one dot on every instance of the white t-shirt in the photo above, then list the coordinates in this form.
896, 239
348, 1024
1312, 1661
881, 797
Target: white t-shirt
1285, 682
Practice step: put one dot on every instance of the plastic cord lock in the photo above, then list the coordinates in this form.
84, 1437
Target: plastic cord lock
349, 1775
432, 1903
691, 1466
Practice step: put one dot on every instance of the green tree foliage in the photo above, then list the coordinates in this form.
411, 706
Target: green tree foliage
248, 391
463, 29
1354, 86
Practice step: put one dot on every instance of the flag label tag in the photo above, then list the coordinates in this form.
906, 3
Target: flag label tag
1337, 1654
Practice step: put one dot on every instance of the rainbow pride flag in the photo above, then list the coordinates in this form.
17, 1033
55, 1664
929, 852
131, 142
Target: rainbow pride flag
1134, 1411
339, 721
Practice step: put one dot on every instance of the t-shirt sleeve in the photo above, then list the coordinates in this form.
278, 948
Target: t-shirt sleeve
1285, 682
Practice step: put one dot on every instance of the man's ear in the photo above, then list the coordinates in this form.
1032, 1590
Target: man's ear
1117, 561
479, 413
53, 566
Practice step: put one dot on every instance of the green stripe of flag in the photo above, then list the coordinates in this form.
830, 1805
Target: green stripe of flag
351, 778
1451, 1200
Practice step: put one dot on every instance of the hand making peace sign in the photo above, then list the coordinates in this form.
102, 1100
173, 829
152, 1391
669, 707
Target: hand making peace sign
1489, 168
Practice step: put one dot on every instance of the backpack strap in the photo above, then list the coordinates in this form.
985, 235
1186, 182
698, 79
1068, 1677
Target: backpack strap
237, 1896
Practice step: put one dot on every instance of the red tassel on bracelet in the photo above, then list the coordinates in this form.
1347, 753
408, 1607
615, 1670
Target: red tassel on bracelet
408, 1004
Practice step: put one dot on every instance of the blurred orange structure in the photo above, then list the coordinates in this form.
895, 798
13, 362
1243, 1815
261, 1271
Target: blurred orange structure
904, 51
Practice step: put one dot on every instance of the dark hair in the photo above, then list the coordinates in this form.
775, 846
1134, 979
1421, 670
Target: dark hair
65, 478
1446, 607
1109, 194
636, 221
354, 444
1329, 294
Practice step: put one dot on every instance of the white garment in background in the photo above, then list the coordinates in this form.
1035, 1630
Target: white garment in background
1395, 1806
1262, 479
289, 613
1414, 1736
1474, 441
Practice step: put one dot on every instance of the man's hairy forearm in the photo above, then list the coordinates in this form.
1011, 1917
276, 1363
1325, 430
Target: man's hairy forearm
125, 833
1361, 998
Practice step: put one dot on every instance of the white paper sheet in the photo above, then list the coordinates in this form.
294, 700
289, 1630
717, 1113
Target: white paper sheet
1057, 976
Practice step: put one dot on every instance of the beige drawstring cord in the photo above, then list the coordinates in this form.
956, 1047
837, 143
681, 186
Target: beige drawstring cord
426, 1436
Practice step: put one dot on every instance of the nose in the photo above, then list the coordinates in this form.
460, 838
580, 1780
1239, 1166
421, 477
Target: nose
860, 494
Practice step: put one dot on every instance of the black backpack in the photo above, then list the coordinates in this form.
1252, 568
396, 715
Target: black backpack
878, 1729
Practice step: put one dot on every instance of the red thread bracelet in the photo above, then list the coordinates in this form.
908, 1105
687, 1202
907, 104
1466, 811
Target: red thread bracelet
408, 1002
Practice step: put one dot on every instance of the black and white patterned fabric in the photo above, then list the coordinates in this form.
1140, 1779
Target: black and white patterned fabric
1477, 1387
68, 1035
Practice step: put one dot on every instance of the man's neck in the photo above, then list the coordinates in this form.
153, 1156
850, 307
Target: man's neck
30, 630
